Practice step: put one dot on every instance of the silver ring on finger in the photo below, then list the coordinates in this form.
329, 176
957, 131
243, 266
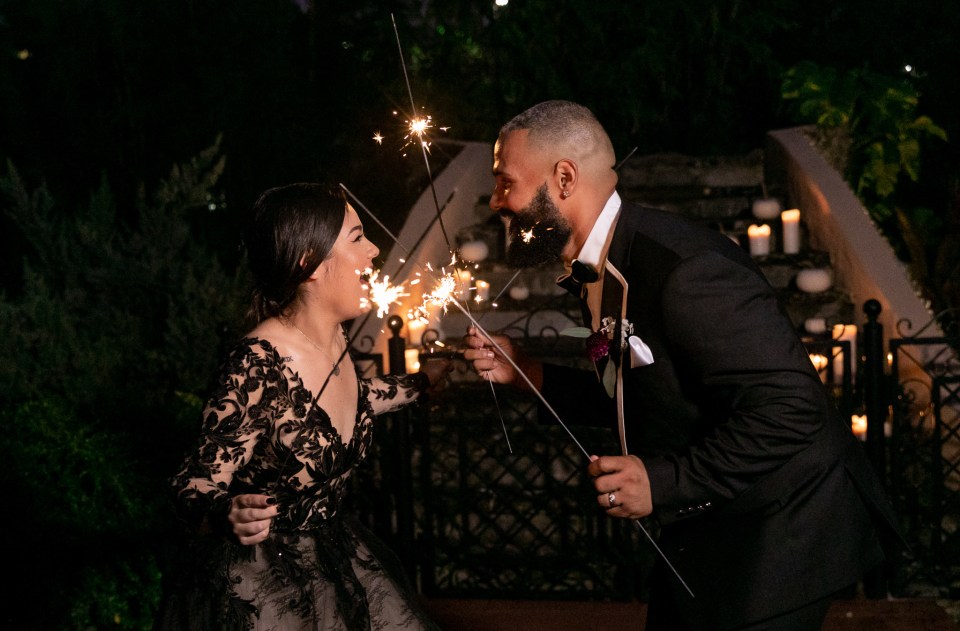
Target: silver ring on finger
611, 499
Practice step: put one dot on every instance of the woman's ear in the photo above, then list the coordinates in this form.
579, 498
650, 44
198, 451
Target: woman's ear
316, 271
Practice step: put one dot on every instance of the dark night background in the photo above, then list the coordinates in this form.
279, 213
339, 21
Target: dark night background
119, 240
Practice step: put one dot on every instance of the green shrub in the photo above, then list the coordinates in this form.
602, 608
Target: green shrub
108, 346
868, 126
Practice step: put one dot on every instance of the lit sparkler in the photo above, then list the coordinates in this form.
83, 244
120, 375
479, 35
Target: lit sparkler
443, 293
417, 131
423, 145
382, 293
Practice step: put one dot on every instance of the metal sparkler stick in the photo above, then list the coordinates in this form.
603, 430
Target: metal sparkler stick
423, 148
572, 436
627, 157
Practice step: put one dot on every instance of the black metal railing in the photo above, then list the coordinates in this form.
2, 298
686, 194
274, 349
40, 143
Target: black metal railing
480, 499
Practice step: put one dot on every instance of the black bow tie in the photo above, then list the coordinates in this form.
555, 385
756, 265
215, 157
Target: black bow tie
580, 274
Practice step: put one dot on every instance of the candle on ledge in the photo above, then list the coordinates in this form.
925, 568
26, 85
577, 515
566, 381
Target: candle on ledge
415, 329
483, 291
519, 292
858, 423
464, 280
815, 325
820, 363
765, 208
791, 230
759, 236
474, 251
411, 360
845, 333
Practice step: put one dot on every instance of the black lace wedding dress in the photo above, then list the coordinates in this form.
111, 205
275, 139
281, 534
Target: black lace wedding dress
319, 570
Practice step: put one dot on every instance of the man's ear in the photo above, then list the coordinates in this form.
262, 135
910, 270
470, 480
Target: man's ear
565, 174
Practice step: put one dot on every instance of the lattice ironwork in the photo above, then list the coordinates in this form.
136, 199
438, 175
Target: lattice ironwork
925, 461
523, 524
471, 518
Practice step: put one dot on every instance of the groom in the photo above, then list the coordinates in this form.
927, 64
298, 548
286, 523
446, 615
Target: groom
766, 502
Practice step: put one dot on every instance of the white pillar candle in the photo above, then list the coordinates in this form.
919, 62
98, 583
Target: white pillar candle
483, 290
415, 329
845, 333
765, 208
791, 230
411, 360
814, 280
759, 236
815, 325
858, 423
464, 280
820, 363
474, 251
519, 292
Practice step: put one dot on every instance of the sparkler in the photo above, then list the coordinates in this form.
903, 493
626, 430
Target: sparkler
382, 292
443, 293
569, 433
418, 130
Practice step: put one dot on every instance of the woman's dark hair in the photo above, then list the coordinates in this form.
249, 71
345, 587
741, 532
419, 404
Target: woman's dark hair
287, 224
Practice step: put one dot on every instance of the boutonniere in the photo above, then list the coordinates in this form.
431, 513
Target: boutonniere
599, 343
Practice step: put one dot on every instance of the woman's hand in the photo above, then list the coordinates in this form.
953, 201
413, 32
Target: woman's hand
436, 369
250, 517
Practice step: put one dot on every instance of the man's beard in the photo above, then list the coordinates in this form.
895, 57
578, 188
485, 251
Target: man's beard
550, 233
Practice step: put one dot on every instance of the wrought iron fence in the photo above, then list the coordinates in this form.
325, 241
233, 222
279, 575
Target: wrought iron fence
481, 508
923, 397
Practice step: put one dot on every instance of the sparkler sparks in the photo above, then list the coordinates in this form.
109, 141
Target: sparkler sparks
446, 291
442, 294
382, 292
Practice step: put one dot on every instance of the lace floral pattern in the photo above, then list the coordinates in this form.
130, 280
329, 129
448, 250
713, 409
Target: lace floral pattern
264, 432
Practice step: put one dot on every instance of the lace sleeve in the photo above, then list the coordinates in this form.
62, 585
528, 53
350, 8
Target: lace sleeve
389, 392
233, 421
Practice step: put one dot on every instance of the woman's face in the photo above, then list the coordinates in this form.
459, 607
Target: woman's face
341, 274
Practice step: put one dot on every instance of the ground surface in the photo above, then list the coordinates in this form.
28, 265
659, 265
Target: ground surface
508, 615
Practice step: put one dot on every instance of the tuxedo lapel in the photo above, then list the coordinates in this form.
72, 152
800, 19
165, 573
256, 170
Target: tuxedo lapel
615, 303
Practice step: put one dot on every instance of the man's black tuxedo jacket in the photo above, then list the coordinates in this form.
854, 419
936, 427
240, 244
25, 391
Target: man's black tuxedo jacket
765, 498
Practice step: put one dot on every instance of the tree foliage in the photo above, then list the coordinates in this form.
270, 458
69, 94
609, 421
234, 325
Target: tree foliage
109, 346
869, 126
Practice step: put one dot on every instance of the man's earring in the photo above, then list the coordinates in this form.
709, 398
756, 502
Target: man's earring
564, 194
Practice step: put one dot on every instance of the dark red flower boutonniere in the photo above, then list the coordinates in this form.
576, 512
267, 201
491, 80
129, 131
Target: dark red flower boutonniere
599, 343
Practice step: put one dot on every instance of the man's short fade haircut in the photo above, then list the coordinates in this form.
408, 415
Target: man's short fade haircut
561, 124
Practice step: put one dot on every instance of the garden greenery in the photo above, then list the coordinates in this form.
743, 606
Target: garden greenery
109, 346
869, 127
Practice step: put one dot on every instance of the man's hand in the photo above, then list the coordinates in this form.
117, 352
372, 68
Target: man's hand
624, 480
487, 360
